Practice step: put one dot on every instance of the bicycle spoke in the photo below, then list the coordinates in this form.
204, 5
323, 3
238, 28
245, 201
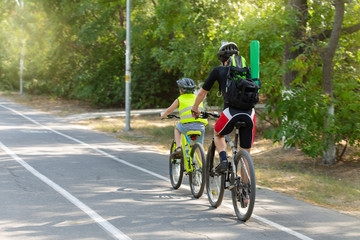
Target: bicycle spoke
214, 182
243, 192
196, 177
176, 168
198, 160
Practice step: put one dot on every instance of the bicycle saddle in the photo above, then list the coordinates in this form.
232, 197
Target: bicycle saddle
240, 124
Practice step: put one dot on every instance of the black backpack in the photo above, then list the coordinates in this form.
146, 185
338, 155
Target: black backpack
241, 92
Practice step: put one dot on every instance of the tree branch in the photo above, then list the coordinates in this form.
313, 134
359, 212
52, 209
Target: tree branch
351, 29
329, 52
326, 33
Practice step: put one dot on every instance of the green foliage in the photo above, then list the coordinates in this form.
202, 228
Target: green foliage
76, 49
347, 90
303, 111
301, 114
9, 45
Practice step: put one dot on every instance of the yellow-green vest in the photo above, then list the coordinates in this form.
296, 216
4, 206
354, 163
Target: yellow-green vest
186, 101
243, 61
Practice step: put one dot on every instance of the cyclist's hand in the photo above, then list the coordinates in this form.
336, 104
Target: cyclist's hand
163, 115
195, 113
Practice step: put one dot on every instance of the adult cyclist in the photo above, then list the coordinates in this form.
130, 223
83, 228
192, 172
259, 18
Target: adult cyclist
230, 115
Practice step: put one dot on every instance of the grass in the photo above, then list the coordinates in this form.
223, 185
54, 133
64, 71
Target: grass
288, 171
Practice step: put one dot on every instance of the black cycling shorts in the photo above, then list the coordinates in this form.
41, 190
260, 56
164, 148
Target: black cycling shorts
225, 124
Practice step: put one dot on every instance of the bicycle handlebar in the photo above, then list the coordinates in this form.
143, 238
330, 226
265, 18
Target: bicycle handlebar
208, 114
202, 115
172, 116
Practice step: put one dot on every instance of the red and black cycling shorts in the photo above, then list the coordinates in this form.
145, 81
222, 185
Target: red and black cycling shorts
225, 124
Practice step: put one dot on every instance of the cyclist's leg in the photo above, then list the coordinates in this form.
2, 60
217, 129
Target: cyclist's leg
219, 142
247, 135
177, 134
181, 128
223, 126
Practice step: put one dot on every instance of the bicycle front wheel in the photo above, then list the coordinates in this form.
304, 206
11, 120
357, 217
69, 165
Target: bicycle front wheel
215, 183
197, 176
243, 186
176, 168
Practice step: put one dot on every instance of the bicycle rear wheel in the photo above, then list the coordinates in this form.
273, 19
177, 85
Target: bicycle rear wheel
197, 176
215, 183
176, 168
244, 186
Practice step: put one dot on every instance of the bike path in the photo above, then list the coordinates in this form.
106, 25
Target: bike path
127, 186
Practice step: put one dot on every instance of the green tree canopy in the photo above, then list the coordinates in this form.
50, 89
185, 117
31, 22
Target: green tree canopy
76, 49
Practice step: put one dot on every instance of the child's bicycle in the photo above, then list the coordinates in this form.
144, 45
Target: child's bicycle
239, 178
191, 160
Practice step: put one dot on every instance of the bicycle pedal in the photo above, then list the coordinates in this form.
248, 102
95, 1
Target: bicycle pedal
231, 187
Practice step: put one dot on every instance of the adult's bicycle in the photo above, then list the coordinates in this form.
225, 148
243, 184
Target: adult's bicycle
239, 178
191, 160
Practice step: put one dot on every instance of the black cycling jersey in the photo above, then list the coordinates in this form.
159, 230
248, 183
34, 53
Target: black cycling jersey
217, 74
231, 115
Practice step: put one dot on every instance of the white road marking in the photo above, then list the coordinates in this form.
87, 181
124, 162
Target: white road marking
264, 220
92, 214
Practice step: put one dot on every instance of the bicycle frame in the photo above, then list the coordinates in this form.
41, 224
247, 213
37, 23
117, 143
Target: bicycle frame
187, 148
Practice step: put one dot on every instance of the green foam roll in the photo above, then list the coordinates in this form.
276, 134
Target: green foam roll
255, 59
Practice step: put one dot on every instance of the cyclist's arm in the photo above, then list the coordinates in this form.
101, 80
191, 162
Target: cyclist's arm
170, 109
199, 98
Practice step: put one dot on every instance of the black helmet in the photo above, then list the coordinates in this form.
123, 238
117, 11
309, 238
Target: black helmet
186, 85
226, 50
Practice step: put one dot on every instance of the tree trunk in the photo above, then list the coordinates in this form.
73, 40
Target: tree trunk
329, 156
298, 33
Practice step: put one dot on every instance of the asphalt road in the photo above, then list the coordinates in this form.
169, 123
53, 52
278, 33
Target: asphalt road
60, 181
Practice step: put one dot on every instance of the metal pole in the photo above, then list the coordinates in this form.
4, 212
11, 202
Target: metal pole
128, 69
21, 5
21, 59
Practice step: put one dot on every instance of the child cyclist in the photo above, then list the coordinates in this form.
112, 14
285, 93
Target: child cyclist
187, 122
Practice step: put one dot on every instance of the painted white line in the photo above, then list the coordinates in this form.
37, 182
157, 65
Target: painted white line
92, 214
274, 225
281, 227
89, 146
261, 219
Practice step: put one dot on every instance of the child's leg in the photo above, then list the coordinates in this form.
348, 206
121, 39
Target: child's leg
177, 135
